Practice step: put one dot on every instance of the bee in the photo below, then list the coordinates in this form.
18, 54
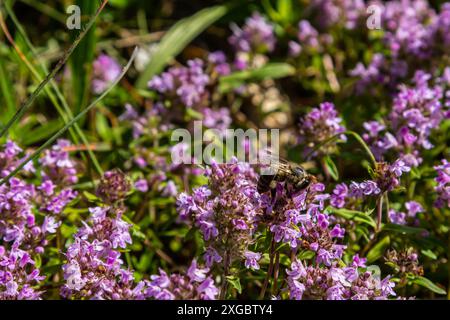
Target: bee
284, 171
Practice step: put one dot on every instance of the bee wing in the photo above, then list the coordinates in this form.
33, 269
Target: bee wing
272, 164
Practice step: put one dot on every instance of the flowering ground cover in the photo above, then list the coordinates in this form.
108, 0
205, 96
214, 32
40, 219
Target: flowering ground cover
102, 197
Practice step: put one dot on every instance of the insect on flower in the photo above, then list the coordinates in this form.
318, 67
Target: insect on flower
282, 170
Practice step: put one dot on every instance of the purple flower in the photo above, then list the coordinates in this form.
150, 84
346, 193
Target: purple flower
187, 83
413, 208
114, 186
337, 198
251, 260
397, 217
194, 285
50, 225
443, 184
18, 275
319, 126
211, 256
219, 60
366, 188
219, 119
398, 167
106, 71
94, 268
337, 231
294, 49
141, 185
196, 274
256, 35
207, 290
307, 34
331, 282
227, 208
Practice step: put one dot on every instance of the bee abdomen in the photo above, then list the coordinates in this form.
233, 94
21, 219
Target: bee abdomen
264, 183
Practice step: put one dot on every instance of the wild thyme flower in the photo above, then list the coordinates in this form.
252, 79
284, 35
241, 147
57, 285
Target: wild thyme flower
329, 13
18, 275
194, 285
334, 282
307, 35
251, 260
19, 199
408, 218
404, 262
226, 210
219, 63
301, 222
257, 35
337, 198
187, 83
318, 126
414, 33
220, 119
94, 268
386, 178
114, 186
106, 70
365, 188
58, 166
373, 73
443, 184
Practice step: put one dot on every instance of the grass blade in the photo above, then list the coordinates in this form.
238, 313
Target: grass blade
69, 115
27, 103
177, 38
50, 141
81, 60
6, 88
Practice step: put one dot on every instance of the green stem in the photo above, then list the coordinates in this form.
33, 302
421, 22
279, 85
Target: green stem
379, 212
49, 142
269, 272
226, 267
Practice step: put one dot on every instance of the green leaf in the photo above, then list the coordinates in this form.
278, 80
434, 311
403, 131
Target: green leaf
102, 127
285, 9
68, 231
378, 250
331, 167
235, 282
194, 114
90, 197
354, 215
306, 255
41, 133
7, 93
82, 57
119, 3
375, 270
402, 229
177, 38
428, 253
271, 70
424, 282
